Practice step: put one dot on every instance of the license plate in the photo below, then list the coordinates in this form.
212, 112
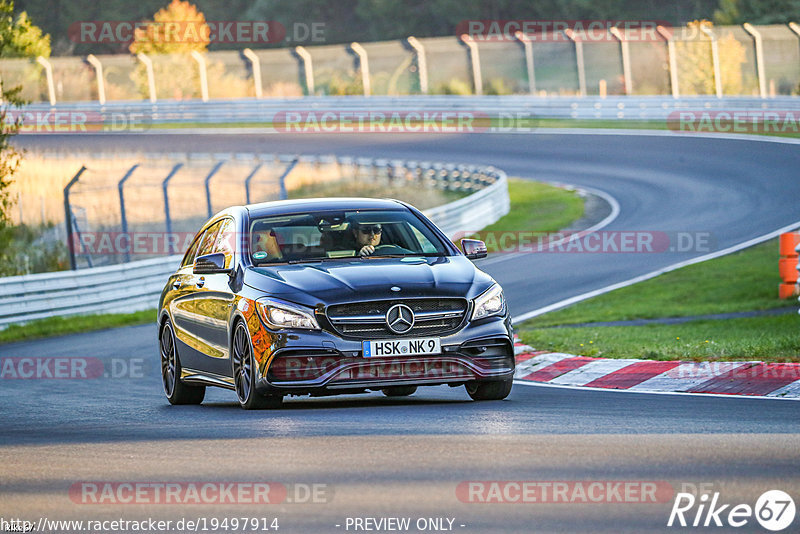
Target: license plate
401, 347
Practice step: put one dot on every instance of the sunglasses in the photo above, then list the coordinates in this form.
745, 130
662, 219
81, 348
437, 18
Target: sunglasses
370, 229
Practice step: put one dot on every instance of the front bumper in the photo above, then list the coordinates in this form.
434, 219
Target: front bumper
320, 363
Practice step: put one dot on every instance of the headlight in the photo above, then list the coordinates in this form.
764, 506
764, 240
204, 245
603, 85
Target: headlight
490, 302
279, 314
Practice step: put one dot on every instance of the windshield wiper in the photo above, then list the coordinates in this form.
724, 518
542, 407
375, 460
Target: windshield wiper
314, 260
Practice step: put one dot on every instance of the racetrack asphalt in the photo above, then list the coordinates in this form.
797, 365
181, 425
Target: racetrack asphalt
389, 457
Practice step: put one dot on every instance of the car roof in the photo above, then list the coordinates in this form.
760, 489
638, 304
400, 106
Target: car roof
321, 204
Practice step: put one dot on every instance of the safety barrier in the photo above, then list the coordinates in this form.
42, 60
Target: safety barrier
788, 265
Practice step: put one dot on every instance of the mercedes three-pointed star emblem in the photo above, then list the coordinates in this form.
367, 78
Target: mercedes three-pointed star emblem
400, 318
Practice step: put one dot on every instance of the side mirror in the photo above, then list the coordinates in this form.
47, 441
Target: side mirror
210, 264
474, 249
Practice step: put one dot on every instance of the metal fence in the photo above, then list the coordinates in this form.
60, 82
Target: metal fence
745, 60
154, 207
126, 287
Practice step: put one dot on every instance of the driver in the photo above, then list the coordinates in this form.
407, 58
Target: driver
367, 236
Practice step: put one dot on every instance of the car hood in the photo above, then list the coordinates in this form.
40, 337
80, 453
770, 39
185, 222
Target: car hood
349, 280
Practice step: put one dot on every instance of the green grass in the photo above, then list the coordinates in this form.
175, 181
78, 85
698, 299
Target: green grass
533, 123
744, 281
58, 326
535, 207
772, 338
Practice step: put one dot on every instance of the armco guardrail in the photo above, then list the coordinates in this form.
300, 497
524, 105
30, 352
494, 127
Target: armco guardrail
501, 111
136, 286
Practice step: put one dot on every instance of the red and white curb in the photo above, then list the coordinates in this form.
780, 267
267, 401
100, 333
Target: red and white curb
752, 379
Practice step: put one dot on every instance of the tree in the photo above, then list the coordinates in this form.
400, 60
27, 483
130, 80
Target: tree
695, 67
176, 74
192, 27
18, 38
757, 11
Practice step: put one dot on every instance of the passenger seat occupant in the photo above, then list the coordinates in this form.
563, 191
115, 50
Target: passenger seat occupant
266, 241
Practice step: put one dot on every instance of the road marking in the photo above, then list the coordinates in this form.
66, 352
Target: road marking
615, 211
641, 278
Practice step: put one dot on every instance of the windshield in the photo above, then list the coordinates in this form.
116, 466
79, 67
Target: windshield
329, 235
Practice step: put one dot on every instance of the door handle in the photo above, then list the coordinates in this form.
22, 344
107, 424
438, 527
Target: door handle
201, 282
177, 284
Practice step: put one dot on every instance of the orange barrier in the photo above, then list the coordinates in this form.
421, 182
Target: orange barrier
788, 264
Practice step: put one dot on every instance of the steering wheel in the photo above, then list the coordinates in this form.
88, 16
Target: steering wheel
396, 249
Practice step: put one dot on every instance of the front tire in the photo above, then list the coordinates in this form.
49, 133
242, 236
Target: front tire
483, 391
244, 373
176, 391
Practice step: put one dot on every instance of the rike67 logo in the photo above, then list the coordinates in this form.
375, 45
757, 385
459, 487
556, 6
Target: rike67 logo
774, 510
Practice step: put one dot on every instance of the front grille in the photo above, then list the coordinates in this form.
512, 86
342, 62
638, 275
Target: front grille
367, 320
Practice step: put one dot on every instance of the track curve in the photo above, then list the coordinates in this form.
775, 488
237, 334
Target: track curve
385, 457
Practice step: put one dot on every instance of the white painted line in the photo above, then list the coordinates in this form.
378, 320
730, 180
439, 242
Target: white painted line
591, 371
653, 274
581, 388
664, 133
615, 211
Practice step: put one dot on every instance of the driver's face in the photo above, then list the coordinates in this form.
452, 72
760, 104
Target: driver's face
368, 234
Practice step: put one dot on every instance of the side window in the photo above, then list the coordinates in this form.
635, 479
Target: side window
209, 239
188, 258
226, 240
427, 246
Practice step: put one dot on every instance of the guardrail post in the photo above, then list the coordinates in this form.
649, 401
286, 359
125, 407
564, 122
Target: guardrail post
68, 217
151, 77
210, 175
284, 194
759, 43
101, 85
714, 59
673, 61
475, 61
201, 67
422, 63
308, 68
363, 63
123, 217
256, 65
581, 64
795, 28
528, 45
48, 72
248, 179
164, 185
626, 59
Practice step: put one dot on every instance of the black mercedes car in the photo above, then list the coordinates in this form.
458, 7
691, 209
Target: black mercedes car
331, 296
